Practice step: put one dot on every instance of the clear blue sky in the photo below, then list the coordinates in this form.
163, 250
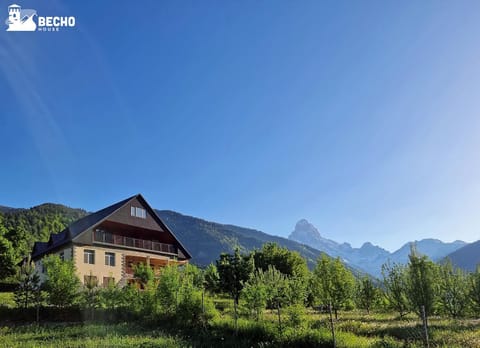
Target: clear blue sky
361, 116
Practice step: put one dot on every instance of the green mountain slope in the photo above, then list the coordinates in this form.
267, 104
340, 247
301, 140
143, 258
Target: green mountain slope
467, 257
206, 240
23, 227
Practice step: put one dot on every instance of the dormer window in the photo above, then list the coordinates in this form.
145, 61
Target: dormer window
138, 212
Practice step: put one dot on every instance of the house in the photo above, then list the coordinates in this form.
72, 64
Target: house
108, 244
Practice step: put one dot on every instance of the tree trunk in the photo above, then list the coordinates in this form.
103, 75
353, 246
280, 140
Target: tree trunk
235, 304
279, 318
332, 326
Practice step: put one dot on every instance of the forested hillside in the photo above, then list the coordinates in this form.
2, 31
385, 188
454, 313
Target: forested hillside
20, 228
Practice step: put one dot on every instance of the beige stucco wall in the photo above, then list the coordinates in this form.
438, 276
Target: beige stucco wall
99, 269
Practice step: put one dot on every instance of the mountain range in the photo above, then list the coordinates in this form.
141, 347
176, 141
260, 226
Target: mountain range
467, 257
206, 240
370, 258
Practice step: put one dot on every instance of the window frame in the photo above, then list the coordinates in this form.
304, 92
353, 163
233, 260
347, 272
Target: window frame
110, 259
106, 281
86, 256
138, 212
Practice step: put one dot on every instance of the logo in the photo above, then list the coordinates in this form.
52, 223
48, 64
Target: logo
24, 20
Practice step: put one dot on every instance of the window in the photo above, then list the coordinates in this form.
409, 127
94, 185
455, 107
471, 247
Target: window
62, 256
89, 256
107, 281
138, 212
110, 259
90, 280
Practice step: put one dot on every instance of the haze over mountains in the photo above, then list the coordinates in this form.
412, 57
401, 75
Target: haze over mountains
467, 257
369, 257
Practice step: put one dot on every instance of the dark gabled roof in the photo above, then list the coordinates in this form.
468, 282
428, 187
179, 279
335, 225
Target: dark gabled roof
83, 224
90, 220
154, 214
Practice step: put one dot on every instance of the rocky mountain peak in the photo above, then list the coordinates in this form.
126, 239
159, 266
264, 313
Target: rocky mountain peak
305, 232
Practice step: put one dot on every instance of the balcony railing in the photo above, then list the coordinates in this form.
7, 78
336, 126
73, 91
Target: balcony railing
110, 238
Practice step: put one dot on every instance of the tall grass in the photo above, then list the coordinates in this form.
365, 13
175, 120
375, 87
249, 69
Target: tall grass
353, 329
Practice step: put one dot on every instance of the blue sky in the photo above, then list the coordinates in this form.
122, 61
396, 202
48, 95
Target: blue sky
361, 116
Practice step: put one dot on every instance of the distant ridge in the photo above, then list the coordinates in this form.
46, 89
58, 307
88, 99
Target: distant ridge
467, 257
369, 257
206, 239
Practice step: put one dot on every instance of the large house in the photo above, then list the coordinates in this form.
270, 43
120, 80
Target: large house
108, 243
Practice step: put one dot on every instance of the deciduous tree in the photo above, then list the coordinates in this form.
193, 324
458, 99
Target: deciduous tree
62, 284
395, 284
422, 283
453, 290
234, 271
367, 293
333, 282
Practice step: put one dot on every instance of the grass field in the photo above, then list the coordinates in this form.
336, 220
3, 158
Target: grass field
7, 299
353, 329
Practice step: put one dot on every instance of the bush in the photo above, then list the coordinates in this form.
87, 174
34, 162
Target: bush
191, 309
295, 315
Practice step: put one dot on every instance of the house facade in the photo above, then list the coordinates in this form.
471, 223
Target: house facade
109, 243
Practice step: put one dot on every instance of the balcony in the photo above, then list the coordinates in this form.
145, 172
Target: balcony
100, 236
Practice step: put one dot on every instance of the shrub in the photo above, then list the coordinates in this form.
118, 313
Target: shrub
295, 315
62, 284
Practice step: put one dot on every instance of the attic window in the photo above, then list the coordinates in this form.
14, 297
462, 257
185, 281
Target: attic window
138, 212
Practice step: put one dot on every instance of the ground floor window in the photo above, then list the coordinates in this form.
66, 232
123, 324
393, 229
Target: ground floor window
108, 281
90, 280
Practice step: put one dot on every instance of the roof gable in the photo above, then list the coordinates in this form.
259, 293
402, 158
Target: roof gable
115, 212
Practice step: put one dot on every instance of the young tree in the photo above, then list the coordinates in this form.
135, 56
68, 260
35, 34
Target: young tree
7, 258
90, 294
288, 262
297, 290
111, 296
212, 278
62, 284
367, 293
234, 271
453, 290
27, 293
395, 283
474, 292
144, 273
255, 294
277, 290
168, 288
147, 300
334, 284
421, 283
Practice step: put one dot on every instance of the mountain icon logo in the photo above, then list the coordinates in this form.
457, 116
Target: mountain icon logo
20, 20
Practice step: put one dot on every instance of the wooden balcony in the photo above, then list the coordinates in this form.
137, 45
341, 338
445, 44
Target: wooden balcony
104, 237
